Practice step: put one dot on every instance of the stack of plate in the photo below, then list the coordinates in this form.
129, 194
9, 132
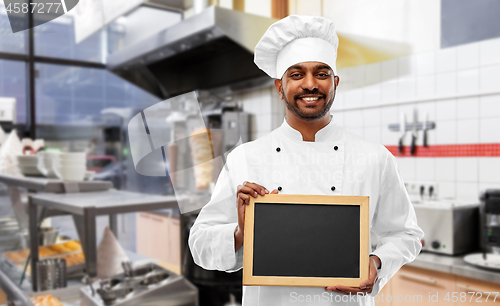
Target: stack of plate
71, 166
29, 165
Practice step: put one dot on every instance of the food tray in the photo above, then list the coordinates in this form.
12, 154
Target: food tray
21, 263
67, 296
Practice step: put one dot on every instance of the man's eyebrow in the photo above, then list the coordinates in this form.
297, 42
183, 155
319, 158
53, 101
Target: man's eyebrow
323, 67
298, 67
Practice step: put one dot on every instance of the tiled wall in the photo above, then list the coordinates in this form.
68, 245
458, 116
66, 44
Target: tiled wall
459, 89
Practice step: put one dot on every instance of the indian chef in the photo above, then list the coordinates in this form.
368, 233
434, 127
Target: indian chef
308, 154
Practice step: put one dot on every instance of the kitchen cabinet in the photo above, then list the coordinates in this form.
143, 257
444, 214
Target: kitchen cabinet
381, 299
477, 291
415, 286
158, 237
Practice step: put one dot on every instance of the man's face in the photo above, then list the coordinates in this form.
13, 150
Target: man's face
308, 89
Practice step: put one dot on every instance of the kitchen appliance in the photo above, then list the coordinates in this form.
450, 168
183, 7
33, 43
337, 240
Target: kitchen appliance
51, 274
490, 221
145, 285
450, 227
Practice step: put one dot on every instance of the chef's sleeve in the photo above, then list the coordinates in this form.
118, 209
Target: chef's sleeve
396, 224
211, 239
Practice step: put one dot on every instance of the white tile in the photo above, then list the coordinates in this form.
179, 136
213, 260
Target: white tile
446, 110
353, 119
488, 130
372, 95
468, 191
407, 66
388, 137
390, 70
427, 108
354, 98
407, 167
426, 86
407, 88
446, 60
489, 106
425, 169
468, 56
372, 134
373, 73
468, 107
407, 109
467, 169
468, 81
339, 100
446, 132
489, 52
489, 170
371, 117
489, 78
446, 169
446, 83
426, 63
389, 115
468, 131
447, 190
390, 91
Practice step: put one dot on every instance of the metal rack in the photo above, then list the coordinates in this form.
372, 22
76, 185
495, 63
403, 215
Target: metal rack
85, 207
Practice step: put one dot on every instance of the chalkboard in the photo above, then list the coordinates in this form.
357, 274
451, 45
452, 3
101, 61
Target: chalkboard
304, 240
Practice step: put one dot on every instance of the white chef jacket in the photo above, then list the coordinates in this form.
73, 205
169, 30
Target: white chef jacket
337, 158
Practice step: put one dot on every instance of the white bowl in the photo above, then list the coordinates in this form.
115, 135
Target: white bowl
71, 163
67, 173
73, 156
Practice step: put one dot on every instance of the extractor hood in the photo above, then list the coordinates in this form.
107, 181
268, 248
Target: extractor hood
209, 50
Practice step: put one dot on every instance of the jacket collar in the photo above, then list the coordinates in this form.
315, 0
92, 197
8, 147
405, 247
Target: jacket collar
331, 132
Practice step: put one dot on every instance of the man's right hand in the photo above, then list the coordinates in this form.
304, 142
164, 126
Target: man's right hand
243, 194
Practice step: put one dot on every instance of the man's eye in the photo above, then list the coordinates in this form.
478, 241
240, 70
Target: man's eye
295, 75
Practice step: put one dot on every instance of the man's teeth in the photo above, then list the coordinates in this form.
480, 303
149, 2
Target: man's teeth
310, 98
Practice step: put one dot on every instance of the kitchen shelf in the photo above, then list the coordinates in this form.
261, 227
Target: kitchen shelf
85, 207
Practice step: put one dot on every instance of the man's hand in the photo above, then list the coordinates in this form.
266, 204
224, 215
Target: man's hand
243, 194
366, 286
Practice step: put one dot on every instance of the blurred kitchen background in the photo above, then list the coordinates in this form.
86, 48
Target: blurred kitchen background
420, 77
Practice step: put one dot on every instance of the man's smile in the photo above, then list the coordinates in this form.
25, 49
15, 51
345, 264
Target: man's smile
309, 100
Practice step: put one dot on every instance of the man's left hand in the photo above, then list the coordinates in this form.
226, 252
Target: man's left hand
366, 286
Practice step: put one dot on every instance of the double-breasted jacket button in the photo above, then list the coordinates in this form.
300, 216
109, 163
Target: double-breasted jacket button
278, 149
336, 148
333, 188
279, 188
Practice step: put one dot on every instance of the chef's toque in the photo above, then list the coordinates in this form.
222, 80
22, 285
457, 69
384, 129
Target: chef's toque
296, 39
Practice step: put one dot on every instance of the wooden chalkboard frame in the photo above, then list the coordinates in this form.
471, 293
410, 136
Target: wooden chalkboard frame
248, 254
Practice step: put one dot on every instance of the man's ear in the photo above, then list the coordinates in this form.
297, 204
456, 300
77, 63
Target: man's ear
336, 81
279, 87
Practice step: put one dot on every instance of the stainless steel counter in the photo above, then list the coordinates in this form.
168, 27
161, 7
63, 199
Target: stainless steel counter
453, 265
10, 277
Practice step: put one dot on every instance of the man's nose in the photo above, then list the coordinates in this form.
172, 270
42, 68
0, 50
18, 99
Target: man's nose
309, 82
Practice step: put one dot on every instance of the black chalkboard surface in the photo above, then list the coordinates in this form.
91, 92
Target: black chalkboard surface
303, 240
